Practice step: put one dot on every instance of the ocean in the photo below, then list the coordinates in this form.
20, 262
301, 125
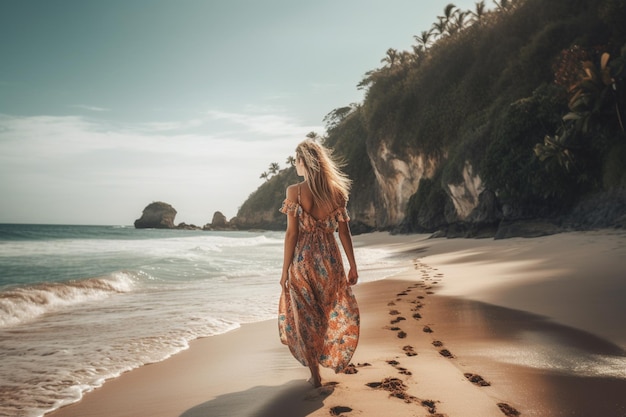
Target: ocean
83, 304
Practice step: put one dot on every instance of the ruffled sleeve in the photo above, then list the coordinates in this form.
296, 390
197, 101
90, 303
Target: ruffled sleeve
341, 215
289, 208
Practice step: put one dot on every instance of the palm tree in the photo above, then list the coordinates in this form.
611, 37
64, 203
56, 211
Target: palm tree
480, 12
424, 39
458, 22
392, 58
265, 176
291, 161
274, 168
313, 135
335, 117
448, 13
368, 79
502, 5
439, 28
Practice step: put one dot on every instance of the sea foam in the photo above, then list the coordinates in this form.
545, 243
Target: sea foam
22, 304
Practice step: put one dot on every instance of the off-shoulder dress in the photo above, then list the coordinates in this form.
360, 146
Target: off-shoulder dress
318, 314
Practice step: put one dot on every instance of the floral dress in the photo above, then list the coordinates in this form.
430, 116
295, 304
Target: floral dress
318, 315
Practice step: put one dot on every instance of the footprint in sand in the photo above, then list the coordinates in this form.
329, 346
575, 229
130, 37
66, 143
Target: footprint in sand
417, 307
404, 371
401, 334
338, 410
400, 369
427, 329
397, 389
446, 353
477, 380
350, 369
508, 410
442, 352
409, 351
397, 320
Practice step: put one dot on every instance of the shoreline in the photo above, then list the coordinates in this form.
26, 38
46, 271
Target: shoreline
486, 302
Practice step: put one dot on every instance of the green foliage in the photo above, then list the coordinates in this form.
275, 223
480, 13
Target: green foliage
509, 166
487, 96
583, 144
492, 91
267, 199
348, 140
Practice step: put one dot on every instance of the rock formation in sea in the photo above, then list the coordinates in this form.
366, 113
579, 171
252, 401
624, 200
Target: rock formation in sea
219, 222
157, 215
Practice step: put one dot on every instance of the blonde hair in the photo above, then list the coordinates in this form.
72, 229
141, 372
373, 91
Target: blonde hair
329, 185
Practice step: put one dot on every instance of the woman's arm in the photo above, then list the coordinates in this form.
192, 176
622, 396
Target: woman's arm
346, 241
291, 237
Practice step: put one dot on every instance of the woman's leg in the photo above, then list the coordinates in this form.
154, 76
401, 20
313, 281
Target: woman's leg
316, 379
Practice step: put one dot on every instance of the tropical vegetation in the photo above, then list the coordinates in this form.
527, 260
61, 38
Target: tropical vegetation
531, 93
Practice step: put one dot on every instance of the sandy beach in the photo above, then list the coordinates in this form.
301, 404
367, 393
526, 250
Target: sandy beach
531, 327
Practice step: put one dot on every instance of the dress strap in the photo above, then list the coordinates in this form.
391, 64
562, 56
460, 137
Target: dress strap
299, 193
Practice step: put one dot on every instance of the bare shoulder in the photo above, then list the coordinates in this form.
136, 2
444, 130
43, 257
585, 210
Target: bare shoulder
292, 192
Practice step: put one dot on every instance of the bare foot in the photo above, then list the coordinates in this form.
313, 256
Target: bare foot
316, 382
316, 379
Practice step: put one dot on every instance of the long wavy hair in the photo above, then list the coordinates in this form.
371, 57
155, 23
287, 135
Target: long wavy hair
329, 185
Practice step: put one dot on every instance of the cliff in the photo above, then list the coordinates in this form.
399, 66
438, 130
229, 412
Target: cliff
488, 125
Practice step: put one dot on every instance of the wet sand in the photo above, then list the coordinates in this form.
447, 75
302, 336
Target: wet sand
530, 327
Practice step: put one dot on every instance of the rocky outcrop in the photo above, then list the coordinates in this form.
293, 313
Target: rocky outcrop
397, 179
157, 215
220, 222
465, 195
185, 226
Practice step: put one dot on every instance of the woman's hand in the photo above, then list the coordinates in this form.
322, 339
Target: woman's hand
284, 281
353, 276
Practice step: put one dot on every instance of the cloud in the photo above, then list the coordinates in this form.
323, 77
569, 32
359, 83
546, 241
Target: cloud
91, 108
265, 125
107, 168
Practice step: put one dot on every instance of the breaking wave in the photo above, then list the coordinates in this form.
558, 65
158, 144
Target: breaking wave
25, 303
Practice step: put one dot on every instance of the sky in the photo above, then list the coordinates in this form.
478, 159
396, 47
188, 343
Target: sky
107, 106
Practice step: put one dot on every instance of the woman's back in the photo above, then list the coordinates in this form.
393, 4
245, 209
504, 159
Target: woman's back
308, 204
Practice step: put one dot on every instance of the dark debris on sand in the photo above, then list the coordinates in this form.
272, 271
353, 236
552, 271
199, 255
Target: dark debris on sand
508, 410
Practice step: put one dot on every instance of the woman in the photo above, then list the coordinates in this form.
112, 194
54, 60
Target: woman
318, 314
